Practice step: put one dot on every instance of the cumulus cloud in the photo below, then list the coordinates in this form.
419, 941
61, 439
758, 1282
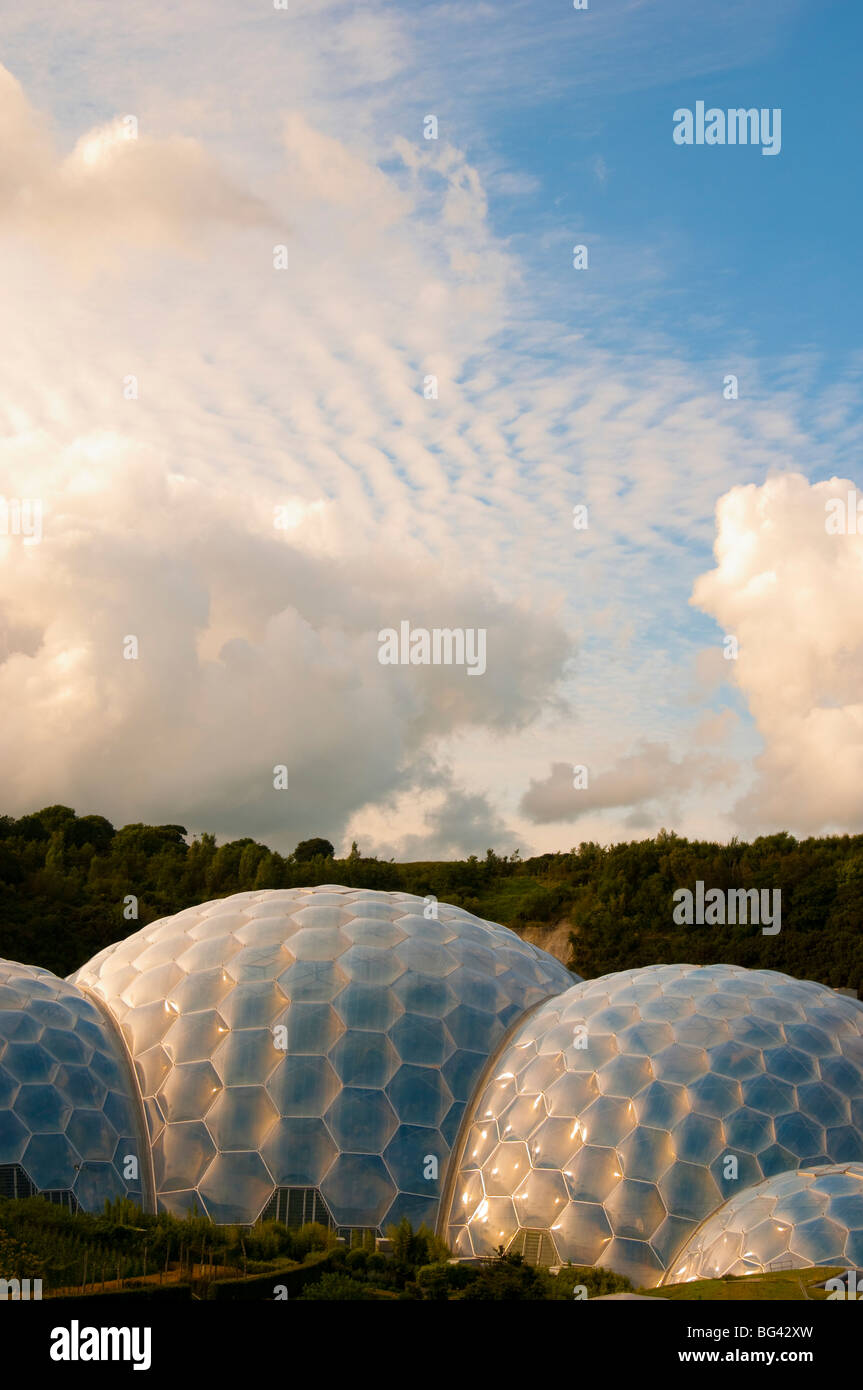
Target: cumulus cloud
292, 677
792, 594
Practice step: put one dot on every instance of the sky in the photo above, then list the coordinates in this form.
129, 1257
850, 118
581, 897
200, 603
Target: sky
279, 373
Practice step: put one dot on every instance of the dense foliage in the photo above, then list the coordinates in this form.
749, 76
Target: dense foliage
65, 881
406, 1275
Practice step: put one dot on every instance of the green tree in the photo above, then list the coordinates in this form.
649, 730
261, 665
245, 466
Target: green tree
506, 1277
315, 848
16, 1261
95, 831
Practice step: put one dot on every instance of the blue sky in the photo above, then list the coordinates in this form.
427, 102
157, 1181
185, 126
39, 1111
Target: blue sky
154, 257
764, 251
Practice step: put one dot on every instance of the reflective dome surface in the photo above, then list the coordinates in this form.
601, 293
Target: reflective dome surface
811, 1217
325, 1038
609, 1119
69, 1113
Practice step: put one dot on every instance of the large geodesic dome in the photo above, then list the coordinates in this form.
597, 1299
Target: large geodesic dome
813, 1216
313, 1048
71, 1125
624, 1111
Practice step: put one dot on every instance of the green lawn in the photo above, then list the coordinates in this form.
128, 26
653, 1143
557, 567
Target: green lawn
791, 1285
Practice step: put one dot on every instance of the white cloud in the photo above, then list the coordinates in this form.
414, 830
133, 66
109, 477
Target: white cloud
117, 187
793, 596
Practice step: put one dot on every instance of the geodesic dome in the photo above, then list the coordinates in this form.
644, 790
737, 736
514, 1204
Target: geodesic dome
70, 1119
813, 1216
607, 1123
317, 1040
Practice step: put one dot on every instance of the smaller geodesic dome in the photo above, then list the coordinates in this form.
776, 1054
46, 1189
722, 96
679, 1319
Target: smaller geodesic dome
603, 1132
70, 1121
811, 1217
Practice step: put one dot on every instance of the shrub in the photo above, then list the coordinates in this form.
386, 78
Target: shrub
335, 1287
439, 1280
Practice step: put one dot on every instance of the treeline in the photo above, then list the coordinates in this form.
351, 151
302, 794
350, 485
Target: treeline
65, 882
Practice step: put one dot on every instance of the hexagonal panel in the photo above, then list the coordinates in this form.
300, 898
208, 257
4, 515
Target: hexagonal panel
43, 1109
92, 1134
361, 1121
505, 1168
358, 1190
661, 1105
303, 1086
593, 1174
584, 1231
698, 1139
646, 1153
540, 1198
241, 1117
368, 1006
312, 981
419, 1095
425, 1041
689, 1190
252, 1004
193, 1037
181, 1155
635, 1209
420, 994
247, 1057
413, 1156
298, 1152
364, 1059
50, 1161
235, 1188
189, 1090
